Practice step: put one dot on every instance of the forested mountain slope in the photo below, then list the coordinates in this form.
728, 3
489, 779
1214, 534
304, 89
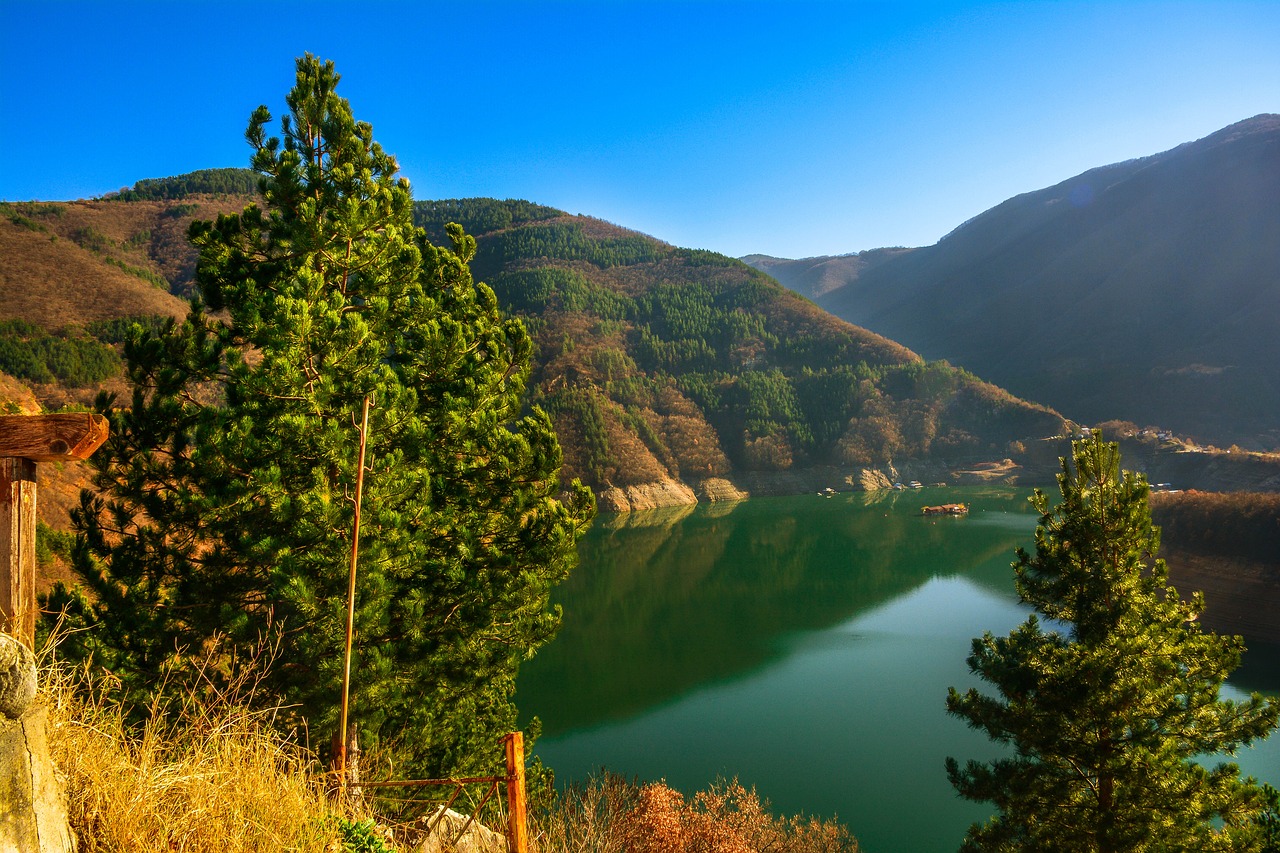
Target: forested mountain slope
668, 372
659, 363
1147, 290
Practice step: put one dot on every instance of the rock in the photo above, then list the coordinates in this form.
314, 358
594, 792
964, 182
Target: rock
17, 677
645, 496
872, 480
447, 835
33, 815
1005, 471
719, 489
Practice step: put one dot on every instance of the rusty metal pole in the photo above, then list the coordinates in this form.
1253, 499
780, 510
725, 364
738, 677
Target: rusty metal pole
517, 818
351, 604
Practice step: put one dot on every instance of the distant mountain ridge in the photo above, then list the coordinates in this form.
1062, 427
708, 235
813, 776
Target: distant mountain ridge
816, 277
1147, 290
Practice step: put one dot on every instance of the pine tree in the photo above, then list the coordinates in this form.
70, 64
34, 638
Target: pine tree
1107, 703
221, 525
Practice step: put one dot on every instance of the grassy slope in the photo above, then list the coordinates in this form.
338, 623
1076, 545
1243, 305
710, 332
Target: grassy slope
58, 271
95, 260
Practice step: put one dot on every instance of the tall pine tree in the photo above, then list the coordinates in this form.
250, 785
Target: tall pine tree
222, 517
1107, 704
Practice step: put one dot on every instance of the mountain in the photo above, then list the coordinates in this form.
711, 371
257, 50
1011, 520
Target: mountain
816, 277
689, 371
95, 260
1147, 290
668, 372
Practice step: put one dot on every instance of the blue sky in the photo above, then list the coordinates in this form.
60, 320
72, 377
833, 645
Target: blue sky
790, 129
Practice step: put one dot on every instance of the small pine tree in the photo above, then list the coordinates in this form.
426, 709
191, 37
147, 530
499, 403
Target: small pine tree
222, 517
1107, 704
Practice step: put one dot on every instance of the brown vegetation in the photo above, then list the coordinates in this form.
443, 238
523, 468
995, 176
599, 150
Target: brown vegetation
77, 262
659, 366
659, 363
611, 815
1236, 524
205, 776
209, 775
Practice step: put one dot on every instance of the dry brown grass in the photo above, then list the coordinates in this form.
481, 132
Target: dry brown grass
49, 280
211, 776
208, 776
611, 815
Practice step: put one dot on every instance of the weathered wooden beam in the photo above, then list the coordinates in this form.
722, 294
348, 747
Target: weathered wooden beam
24, 441
51, 438
18, 549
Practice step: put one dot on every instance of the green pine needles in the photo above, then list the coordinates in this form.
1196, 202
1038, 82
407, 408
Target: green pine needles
1107, 704
220, 530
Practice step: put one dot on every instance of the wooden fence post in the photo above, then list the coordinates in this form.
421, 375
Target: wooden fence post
24, 441
517, 819
18, 549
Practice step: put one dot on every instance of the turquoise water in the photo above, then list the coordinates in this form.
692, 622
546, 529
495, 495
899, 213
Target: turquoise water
803, 645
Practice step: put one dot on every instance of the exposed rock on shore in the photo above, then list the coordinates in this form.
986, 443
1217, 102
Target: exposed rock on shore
645, 496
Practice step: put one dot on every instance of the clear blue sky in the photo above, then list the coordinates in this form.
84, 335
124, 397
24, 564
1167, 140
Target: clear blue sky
787, 128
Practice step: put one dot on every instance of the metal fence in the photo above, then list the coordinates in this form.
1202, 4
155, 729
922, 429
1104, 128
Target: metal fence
442, 823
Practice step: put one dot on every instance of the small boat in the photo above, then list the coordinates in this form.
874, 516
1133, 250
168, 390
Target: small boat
946, 509
915, 484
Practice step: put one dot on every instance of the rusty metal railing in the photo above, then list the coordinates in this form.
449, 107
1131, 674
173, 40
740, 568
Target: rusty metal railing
517, 831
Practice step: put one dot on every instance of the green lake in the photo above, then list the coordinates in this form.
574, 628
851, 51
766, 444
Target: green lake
803, 645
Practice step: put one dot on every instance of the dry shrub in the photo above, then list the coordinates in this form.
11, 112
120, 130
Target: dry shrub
587, 818
207, 776
610, 815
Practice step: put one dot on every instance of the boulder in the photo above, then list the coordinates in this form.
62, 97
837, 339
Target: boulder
719, 489
33, 814
662, 493
17, 678
449, 836
872, 480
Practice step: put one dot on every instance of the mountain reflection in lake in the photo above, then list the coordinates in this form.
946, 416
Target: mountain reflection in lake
803, 645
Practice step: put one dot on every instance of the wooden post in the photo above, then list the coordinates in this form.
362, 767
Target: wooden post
18, 549
25, 440
517, 818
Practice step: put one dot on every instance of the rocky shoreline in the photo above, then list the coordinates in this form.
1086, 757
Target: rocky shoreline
1037, 465
739, 486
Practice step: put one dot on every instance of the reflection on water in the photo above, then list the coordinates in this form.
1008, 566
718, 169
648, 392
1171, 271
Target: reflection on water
802, 644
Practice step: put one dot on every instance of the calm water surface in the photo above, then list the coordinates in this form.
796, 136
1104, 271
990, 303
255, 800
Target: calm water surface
803, 645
